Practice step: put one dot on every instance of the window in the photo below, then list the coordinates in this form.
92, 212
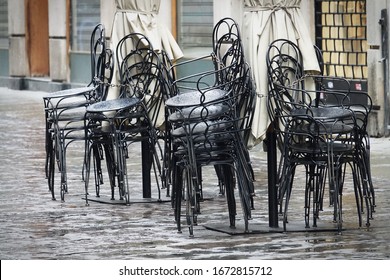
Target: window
195, 23
3, 24
85, 16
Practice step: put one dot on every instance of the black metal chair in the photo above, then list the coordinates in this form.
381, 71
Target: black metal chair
208, 118
361, 103
322, 137
195, 102
133, 117
228, 49
65, 110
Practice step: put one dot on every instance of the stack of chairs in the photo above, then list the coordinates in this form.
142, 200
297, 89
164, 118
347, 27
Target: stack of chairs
206, 114
133, 117
65, 110
361, 104
318, 129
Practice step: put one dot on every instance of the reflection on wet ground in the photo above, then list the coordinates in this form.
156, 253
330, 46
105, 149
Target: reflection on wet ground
32, 226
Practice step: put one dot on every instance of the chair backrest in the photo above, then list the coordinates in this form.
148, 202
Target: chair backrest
246, 103
133, 42
284, 63
168, 74
142, 74
102, 62
227, 47
344, 94
208, 101
320, 59
285, 78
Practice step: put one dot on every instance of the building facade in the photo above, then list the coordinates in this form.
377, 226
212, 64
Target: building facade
44, 43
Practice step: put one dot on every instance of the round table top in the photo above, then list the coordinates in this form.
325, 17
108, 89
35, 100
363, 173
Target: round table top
113, 105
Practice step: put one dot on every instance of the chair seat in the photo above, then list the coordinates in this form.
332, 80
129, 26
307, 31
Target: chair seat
324, 128
204, 150
193, 113
193, 98
201, 127
75, 114
323, 113
321, 148
70, 92
70, 105
113, 105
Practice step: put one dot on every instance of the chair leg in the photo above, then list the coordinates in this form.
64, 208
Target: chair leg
51, 171
147, 158
177, 192
357, 190
89, 151
64, 186
110, 163
286, 185
190, 196
229, 191
121, 152
97, 158
336, 193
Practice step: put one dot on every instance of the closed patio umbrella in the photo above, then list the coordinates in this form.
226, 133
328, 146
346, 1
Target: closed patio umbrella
141, 16
265, 21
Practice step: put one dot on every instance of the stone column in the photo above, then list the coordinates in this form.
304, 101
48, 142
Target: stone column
58, 43
18, 59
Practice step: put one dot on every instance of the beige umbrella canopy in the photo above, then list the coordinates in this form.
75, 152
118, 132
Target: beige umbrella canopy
141, 16
265, 21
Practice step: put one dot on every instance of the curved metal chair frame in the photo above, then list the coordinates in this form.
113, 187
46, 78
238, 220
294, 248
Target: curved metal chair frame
227, 47
208, 117
65, 110
206, 131
362, 112
133, 117
321, 136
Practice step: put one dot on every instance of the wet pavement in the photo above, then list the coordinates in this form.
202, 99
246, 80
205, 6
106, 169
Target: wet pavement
32, 226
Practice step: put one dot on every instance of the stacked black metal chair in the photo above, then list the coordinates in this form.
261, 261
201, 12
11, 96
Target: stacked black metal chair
320, 135
206, 129
361, 104
65, 110
132, 117
225, 33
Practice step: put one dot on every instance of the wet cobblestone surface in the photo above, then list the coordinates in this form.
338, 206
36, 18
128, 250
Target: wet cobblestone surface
32, 226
